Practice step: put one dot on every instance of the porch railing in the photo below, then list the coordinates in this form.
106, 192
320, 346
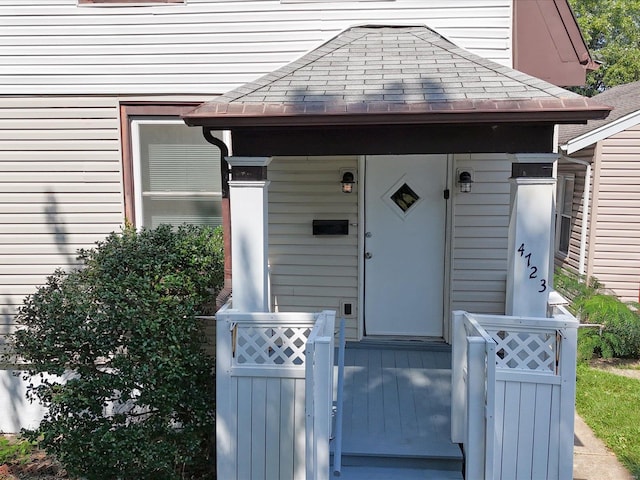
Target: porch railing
527, 430
319, 395
261, 363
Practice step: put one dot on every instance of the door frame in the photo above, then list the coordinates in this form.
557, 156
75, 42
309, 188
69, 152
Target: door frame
448, 250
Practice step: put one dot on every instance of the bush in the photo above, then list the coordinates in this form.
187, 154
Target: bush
616, 330
138, 401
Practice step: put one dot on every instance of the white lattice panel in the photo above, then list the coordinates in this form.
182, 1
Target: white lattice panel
526, 350
260, 345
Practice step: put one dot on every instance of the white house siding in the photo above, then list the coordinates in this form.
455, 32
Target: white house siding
480, 233
312, 273
572, 259
60, 187
616, 255
205, 46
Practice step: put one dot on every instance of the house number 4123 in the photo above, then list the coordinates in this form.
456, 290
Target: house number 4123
533, 270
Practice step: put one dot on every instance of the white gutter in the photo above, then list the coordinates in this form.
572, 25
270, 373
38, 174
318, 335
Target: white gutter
585, 211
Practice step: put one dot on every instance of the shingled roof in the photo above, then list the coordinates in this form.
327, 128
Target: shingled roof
625, 100
374, 75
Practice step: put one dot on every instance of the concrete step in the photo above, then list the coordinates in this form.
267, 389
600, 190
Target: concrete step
393, 473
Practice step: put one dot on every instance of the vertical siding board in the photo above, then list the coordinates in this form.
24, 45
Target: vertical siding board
273, 437
510, 446
244, 453
542, 414
554, 434
299, 465
526, 430
500, 401
258, 427
287, 430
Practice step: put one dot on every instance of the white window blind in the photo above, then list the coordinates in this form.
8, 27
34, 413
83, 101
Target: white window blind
177, 174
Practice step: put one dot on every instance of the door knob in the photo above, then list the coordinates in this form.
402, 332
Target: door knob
368, 255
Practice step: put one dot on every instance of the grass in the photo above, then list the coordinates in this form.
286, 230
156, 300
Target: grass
608, 403
14, 450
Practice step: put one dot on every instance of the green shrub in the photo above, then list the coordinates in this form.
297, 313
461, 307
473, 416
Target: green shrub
616, 325
138, 400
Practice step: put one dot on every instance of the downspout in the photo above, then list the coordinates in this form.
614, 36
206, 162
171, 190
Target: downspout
225, 293
585, 212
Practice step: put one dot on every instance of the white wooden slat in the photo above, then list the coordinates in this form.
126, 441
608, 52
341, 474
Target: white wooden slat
258, 427
554, 434
512, 396
299, 465
542, 427
526, 431
245, 444
287, 430
272, 425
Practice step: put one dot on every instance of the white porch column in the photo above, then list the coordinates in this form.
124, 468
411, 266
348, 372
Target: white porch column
531, 228
249, 233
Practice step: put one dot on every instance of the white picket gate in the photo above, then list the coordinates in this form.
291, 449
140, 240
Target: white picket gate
261, 425
518, 425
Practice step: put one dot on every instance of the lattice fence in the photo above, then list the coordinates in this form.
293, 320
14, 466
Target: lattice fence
269, 345
531, 351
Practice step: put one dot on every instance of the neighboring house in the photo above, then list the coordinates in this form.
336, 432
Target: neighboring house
449, 156
598, 207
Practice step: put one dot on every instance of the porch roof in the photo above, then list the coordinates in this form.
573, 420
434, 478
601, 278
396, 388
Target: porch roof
391, 75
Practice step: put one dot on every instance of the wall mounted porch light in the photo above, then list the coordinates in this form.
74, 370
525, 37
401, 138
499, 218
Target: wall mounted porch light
347, 181
465, 179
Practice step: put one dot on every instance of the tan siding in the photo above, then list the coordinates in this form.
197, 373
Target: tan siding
206, 46
480, 231
616, 261
60, 187
565, 167
312, 273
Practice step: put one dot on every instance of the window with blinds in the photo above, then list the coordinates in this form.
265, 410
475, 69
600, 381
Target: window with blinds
176, 174
564, 208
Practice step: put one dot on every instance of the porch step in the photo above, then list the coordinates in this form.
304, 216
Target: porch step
392, 473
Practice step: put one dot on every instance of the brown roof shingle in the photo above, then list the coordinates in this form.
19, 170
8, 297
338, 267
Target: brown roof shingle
368, 74
624, 99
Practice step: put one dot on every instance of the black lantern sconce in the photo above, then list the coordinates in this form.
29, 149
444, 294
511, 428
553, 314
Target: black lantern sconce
347, 181
465, 179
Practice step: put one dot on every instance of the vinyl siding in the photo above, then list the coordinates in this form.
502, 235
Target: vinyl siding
572, 259
616, 256
205, 46
60, 187
312, 273
480, 235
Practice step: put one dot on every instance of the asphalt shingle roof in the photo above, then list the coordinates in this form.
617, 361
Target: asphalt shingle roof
624, 99
390, 70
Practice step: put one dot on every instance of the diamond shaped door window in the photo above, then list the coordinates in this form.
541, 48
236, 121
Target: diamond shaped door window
404, 197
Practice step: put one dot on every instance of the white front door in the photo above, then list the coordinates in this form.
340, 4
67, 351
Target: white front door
405, 213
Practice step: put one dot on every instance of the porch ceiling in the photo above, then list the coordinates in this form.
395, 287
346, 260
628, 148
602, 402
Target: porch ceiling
389, 75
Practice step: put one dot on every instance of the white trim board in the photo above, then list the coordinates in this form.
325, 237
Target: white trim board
600, 133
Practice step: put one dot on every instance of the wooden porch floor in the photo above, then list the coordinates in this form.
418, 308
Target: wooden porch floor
397, 404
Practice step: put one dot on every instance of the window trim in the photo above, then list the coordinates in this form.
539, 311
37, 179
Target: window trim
127, 112
562, 180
